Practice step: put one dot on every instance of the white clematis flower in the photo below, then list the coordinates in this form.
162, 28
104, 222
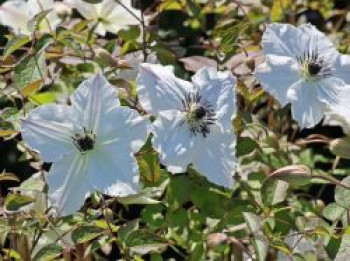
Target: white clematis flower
194, 120
109, 15
90, 143
17, 13
303, 68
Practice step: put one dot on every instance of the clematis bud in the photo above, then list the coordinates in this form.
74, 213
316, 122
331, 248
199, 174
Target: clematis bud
63, 10
216, 239
295, 175
108, 214
104, 58
340, 147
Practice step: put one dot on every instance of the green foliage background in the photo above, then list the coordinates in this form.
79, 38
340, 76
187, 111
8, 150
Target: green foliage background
194, 220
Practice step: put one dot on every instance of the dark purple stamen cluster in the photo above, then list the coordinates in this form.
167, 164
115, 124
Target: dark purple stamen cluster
84, 142
200, 114
314, 64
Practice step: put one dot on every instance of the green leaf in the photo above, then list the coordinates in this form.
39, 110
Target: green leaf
245, 145
254, 222
141, 238
14, 202
35, 22
342, 195
273, 191
48, 253
86, 233
43, 98
14, 44
130, 34
344, 250
30, 72
43, 42
32, 185
260, 242
333, 211
149, 167
153, 216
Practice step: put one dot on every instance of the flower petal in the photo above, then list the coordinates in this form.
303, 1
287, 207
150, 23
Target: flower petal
159, 89
68, 184
13, 14
117, 16
342, 68
218, 88
49, 129
216, 159
93, 97
287, 40
307, 108
174, 141
113, 170
277, 75
113, 126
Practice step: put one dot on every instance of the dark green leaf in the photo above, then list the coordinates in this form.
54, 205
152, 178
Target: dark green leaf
14, 202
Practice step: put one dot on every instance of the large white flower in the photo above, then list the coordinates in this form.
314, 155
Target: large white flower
194, 120
109, 15
17, 13
303, 68
90, 143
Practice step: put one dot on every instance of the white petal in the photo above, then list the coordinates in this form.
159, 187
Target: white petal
307, 108
333, 118
342, 68
287, 40
159, 89
114, 171
68, 184
123, 127
174, 141
88, 11
277, 75
117, 16
93, 97
218, 88
331, 91
49, 130
216, 159
13, 14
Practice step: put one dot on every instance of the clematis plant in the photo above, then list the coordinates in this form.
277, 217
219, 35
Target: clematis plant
194, 120
17, 13
109, 15
90, 143
304, 68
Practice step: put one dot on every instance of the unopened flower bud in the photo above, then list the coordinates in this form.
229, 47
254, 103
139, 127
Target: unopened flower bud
63, 10
250, 62
104, 58
216, 239
95, 199
108, 214
295, 175
319, 205
340, 147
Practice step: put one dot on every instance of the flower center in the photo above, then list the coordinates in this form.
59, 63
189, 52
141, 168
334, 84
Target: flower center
199, 114
84, 142
313, 66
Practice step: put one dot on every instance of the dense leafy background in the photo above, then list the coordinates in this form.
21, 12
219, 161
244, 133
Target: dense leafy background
194, 220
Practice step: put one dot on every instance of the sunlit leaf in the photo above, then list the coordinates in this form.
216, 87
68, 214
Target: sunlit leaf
48, 253
14, 202
14, 44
